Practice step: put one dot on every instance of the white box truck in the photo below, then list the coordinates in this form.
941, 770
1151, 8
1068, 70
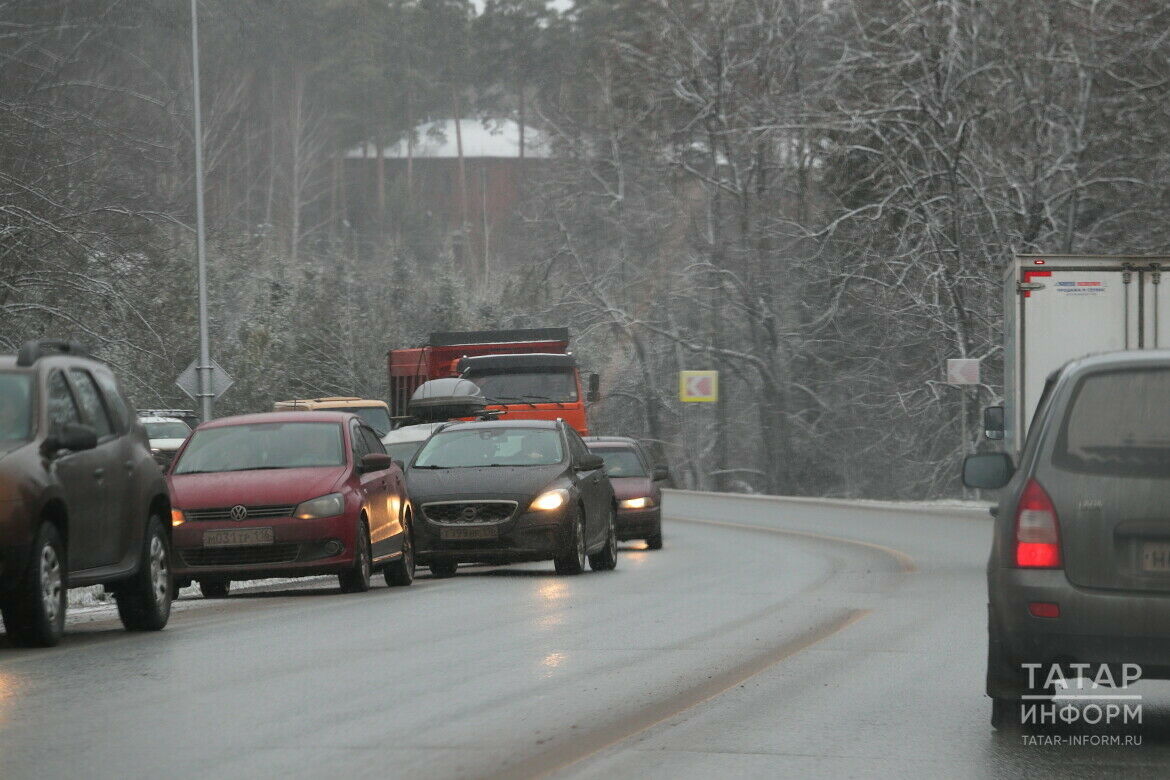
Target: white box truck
1061, 307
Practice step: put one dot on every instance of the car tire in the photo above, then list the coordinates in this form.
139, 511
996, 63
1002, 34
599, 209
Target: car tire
34, 610
401, 571
572, 561
654, 542
357, 579
605, 559
215, 589
442, 569
144, 600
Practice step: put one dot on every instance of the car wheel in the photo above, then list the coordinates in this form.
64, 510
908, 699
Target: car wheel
401, 571
215, 589
606, 558
441, 569
357, 579
144, 601
573, 559
34, 611
654, 542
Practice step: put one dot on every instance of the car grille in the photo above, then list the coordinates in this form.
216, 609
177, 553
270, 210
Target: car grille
461, 511
241, 556
225, 513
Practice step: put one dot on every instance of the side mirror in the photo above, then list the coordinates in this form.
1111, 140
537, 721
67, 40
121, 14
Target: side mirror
72, 436
993, 423
989, 471
661, 473
375, 461
590, 463
594, 394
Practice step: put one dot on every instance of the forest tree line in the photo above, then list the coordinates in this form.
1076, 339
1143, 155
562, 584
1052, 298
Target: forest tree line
815, 198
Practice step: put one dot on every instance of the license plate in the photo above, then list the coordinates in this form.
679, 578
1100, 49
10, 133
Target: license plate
454, 534
236, 537
1156, 556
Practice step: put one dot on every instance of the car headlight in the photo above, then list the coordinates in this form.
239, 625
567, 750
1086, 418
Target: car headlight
636, 503
550, 500
325, 506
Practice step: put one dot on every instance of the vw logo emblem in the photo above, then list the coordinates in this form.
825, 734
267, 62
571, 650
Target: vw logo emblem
469, 513
239, 512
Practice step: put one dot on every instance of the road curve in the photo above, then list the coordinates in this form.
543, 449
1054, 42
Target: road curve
768, 638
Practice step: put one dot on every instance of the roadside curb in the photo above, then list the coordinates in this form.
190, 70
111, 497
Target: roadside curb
908, 507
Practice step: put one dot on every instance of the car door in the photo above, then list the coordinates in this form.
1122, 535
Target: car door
391, 500
592, 485
82, 477
112, 449
373, 489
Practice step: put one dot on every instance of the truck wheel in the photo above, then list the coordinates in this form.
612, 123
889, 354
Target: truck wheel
572, 561
606, 558
441, 569
34, 611
357, 579
215, 589
401, 571
144, 601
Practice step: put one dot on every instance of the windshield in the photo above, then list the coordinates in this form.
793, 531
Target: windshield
1118, 423
403, 451
554, 385
621, 463
263, 446
491, 447
167, 430
15, 407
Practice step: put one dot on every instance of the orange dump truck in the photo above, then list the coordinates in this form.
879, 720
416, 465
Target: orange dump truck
527, 374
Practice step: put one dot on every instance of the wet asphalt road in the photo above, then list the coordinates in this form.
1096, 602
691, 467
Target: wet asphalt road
770, 638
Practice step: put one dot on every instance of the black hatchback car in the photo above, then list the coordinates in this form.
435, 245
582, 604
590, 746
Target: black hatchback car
1079, 573
82, 502
505, 492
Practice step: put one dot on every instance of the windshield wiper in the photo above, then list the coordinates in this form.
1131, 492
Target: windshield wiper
433, 467
511, 398
545, 399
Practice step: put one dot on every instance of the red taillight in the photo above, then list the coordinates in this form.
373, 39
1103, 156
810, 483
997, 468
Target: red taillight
1044, 609
1037, 530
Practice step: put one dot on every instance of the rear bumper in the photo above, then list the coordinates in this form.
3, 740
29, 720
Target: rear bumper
638, 523
299, 549
1095, 626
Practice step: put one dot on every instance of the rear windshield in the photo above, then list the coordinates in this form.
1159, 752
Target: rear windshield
403, 451
167, 430
374, 416
262, 446
1118, 423
621, 463
15, 406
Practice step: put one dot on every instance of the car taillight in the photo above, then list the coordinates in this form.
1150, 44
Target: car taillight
1037, 530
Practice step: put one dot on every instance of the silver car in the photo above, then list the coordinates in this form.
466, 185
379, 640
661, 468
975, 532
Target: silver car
1079, 576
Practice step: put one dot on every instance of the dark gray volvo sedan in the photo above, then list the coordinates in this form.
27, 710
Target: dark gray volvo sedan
1080, 562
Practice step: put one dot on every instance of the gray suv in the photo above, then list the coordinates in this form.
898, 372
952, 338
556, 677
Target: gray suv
1080, 561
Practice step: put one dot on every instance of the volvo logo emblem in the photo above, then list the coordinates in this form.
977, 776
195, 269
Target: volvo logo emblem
239, 512
469, 513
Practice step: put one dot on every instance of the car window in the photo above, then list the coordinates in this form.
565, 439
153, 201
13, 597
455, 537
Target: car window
576, 445
91, 402
492, 447
373, 443
170, 429
357, 443
246, 447
621, 462
62, 407
15, 406
1118, 423
115, 404
403, 451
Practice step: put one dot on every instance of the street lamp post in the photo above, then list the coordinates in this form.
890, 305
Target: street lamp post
204, 369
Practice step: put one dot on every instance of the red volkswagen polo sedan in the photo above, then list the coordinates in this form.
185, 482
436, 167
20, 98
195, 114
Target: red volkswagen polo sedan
288, 495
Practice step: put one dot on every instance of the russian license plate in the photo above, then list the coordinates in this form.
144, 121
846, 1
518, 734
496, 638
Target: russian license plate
478, 532
237, 537
1156, 556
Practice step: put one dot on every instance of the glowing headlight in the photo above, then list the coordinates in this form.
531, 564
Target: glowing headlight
637, 503
553, 499
325, 506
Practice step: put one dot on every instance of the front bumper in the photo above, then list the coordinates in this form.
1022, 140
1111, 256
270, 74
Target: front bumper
1095, 625
299, 549
527, 536
638, 523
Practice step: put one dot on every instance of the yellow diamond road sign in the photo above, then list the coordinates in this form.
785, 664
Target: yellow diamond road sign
698, 386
